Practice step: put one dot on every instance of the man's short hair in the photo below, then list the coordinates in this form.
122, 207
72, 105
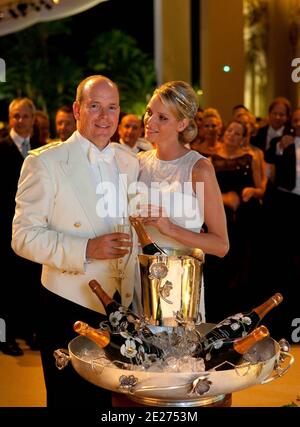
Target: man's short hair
65, 109
238, 106
22, 101
83, 83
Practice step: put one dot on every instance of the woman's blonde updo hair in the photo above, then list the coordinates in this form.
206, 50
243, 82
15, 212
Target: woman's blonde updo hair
212, 112
182, 99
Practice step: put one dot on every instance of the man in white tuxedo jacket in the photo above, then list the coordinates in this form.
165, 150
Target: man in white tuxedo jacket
70, 199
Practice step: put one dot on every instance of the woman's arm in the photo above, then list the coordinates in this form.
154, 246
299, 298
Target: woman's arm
263, 175
215, 241
259, 178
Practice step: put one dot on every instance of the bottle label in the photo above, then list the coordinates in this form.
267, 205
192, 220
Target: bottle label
238, 325
131, 333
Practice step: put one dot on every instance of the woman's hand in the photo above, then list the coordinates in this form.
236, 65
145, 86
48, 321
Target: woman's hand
157, 217
248, 193
231, 200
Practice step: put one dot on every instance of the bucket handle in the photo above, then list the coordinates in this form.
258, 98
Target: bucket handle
278, 370
62, 358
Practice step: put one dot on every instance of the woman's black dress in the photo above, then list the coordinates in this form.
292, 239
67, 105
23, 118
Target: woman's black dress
230, 282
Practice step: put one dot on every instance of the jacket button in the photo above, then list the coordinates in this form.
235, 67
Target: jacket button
127, 295
77, 224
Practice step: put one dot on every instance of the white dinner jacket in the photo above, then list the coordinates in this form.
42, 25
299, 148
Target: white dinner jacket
56, 215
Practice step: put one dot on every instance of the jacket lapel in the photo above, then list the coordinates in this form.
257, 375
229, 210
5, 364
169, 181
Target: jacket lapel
77, 169
128, 173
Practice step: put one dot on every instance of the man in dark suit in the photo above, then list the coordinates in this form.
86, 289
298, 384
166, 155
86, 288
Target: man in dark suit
283, 158
17, 293
279, 112
278, 123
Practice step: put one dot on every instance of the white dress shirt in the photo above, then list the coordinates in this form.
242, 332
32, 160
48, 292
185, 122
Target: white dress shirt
273, 133
106, 177
18, 140
141, 145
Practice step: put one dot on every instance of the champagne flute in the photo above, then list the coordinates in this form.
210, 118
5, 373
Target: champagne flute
123, 226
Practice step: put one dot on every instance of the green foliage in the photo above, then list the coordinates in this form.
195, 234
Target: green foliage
36, 68
117, 55
41, 63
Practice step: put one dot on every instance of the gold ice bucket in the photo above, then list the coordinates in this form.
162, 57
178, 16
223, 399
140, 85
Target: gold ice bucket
171, 286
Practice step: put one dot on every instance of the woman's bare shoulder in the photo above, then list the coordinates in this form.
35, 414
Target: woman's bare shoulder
203, 168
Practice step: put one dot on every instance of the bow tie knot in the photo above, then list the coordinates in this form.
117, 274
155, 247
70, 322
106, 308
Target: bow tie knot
96, 155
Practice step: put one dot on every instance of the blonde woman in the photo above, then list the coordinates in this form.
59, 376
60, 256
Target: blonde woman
212, 130
169, 124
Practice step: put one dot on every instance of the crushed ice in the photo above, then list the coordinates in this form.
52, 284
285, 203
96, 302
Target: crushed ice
178, 345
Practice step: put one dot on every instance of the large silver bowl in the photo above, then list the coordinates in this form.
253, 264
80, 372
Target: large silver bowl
175, 389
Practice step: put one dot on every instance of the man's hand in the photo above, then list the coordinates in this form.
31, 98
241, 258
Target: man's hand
108, 246
285, 141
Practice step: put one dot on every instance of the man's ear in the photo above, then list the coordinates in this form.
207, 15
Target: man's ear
182, 124
76, 110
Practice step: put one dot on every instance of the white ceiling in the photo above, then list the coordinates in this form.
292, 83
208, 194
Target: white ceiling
57, 9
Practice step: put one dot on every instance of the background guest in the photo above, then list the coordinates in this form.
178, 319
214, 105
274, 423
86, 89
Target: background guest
238, 109
19, 295
283, 158
199, 122
279, 112
41, 129
65, 123
211, 133
130, 132
234, 276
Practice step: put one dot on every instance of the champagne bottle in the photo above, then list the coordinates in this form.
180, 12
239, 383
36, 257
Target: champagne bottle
120, 318
240, 324
101, 338
119, 348
148, 246
222, 354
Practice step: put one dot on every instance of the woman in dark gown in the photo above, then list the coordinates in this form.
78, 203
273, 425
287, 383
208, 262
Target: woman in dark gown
230, 281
